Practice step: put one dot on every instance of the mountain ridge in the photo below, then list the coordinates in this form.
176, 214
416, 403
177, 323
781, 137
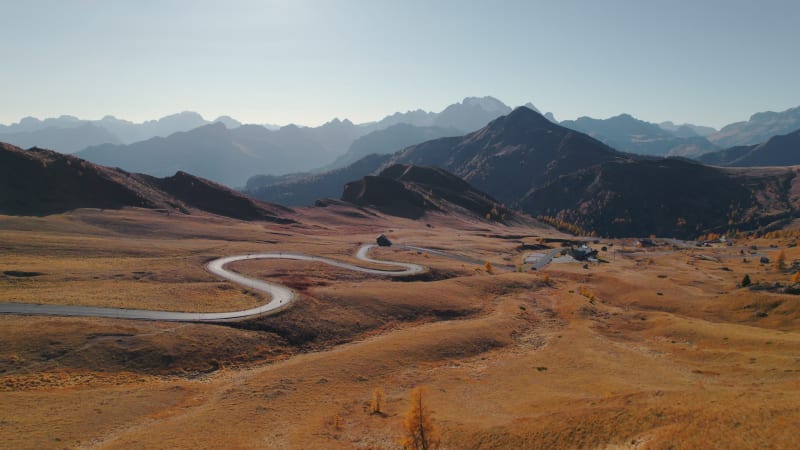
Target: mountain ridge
413, 191
627, 133
781, 150
42, 182
759, 128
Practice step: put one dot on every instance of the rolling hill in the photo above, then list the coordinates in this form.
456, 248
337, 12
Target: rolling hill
43, 182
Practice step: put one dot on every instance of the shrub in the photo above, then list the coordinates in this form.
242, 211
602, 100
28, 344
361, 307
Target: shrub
746, 281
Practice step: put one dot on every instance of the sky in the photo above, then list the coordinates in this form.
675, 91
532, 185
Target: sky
708, 62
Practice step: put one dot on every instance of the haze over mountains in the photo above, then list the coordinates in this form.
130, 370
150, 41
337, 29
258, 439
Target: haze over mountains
69, 134
687, 129
231, 155
227, 156
392, 139
522, 159
228, 152
626, 133
758, 129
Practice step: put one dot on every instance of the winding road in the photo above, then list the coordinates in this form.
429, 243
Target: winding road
281, 296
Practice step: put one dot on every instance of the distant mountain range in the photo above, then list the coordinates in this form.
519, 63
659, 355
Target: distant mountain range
42, 182
69, 139
232, 153
504, 146
69, 134
531, 163
519, 161
687, 130
390, 140
783, 150
628, 134
227, 156
470, 114
760, 128
305, 189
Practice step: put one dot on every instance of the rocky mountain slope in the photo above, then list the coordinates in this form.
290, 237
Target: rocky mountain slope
511, 155
666, 197
507, 158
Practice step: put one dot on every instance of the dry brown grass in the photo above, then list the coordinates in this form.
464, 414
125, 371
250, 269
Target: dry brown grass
663, 354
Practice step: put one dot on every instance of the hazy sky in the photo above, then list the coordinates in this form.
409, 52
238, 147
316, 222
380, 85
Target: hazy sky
702, 61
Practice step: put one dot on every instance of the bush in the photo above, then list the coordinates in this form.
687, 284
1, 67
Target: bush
746, 281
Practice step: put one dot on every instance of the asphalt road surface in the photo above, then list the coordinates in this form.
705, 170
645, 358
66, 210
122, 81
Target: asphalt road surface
281, 296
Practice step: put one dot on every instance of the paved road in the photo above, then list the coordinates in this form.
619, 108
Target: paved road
546, 259
281, 296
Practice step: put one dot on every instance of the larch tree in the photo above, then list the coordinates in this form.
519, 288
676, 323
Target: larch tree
378, 402
421, 434
780, 261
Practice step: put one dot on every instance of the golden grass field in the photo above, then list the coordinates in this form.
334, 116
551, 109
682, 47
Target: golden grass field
657, 348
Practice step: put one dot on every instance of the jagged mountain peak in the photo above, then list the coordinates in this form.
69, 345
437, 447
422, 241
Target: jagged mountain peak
488, 103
